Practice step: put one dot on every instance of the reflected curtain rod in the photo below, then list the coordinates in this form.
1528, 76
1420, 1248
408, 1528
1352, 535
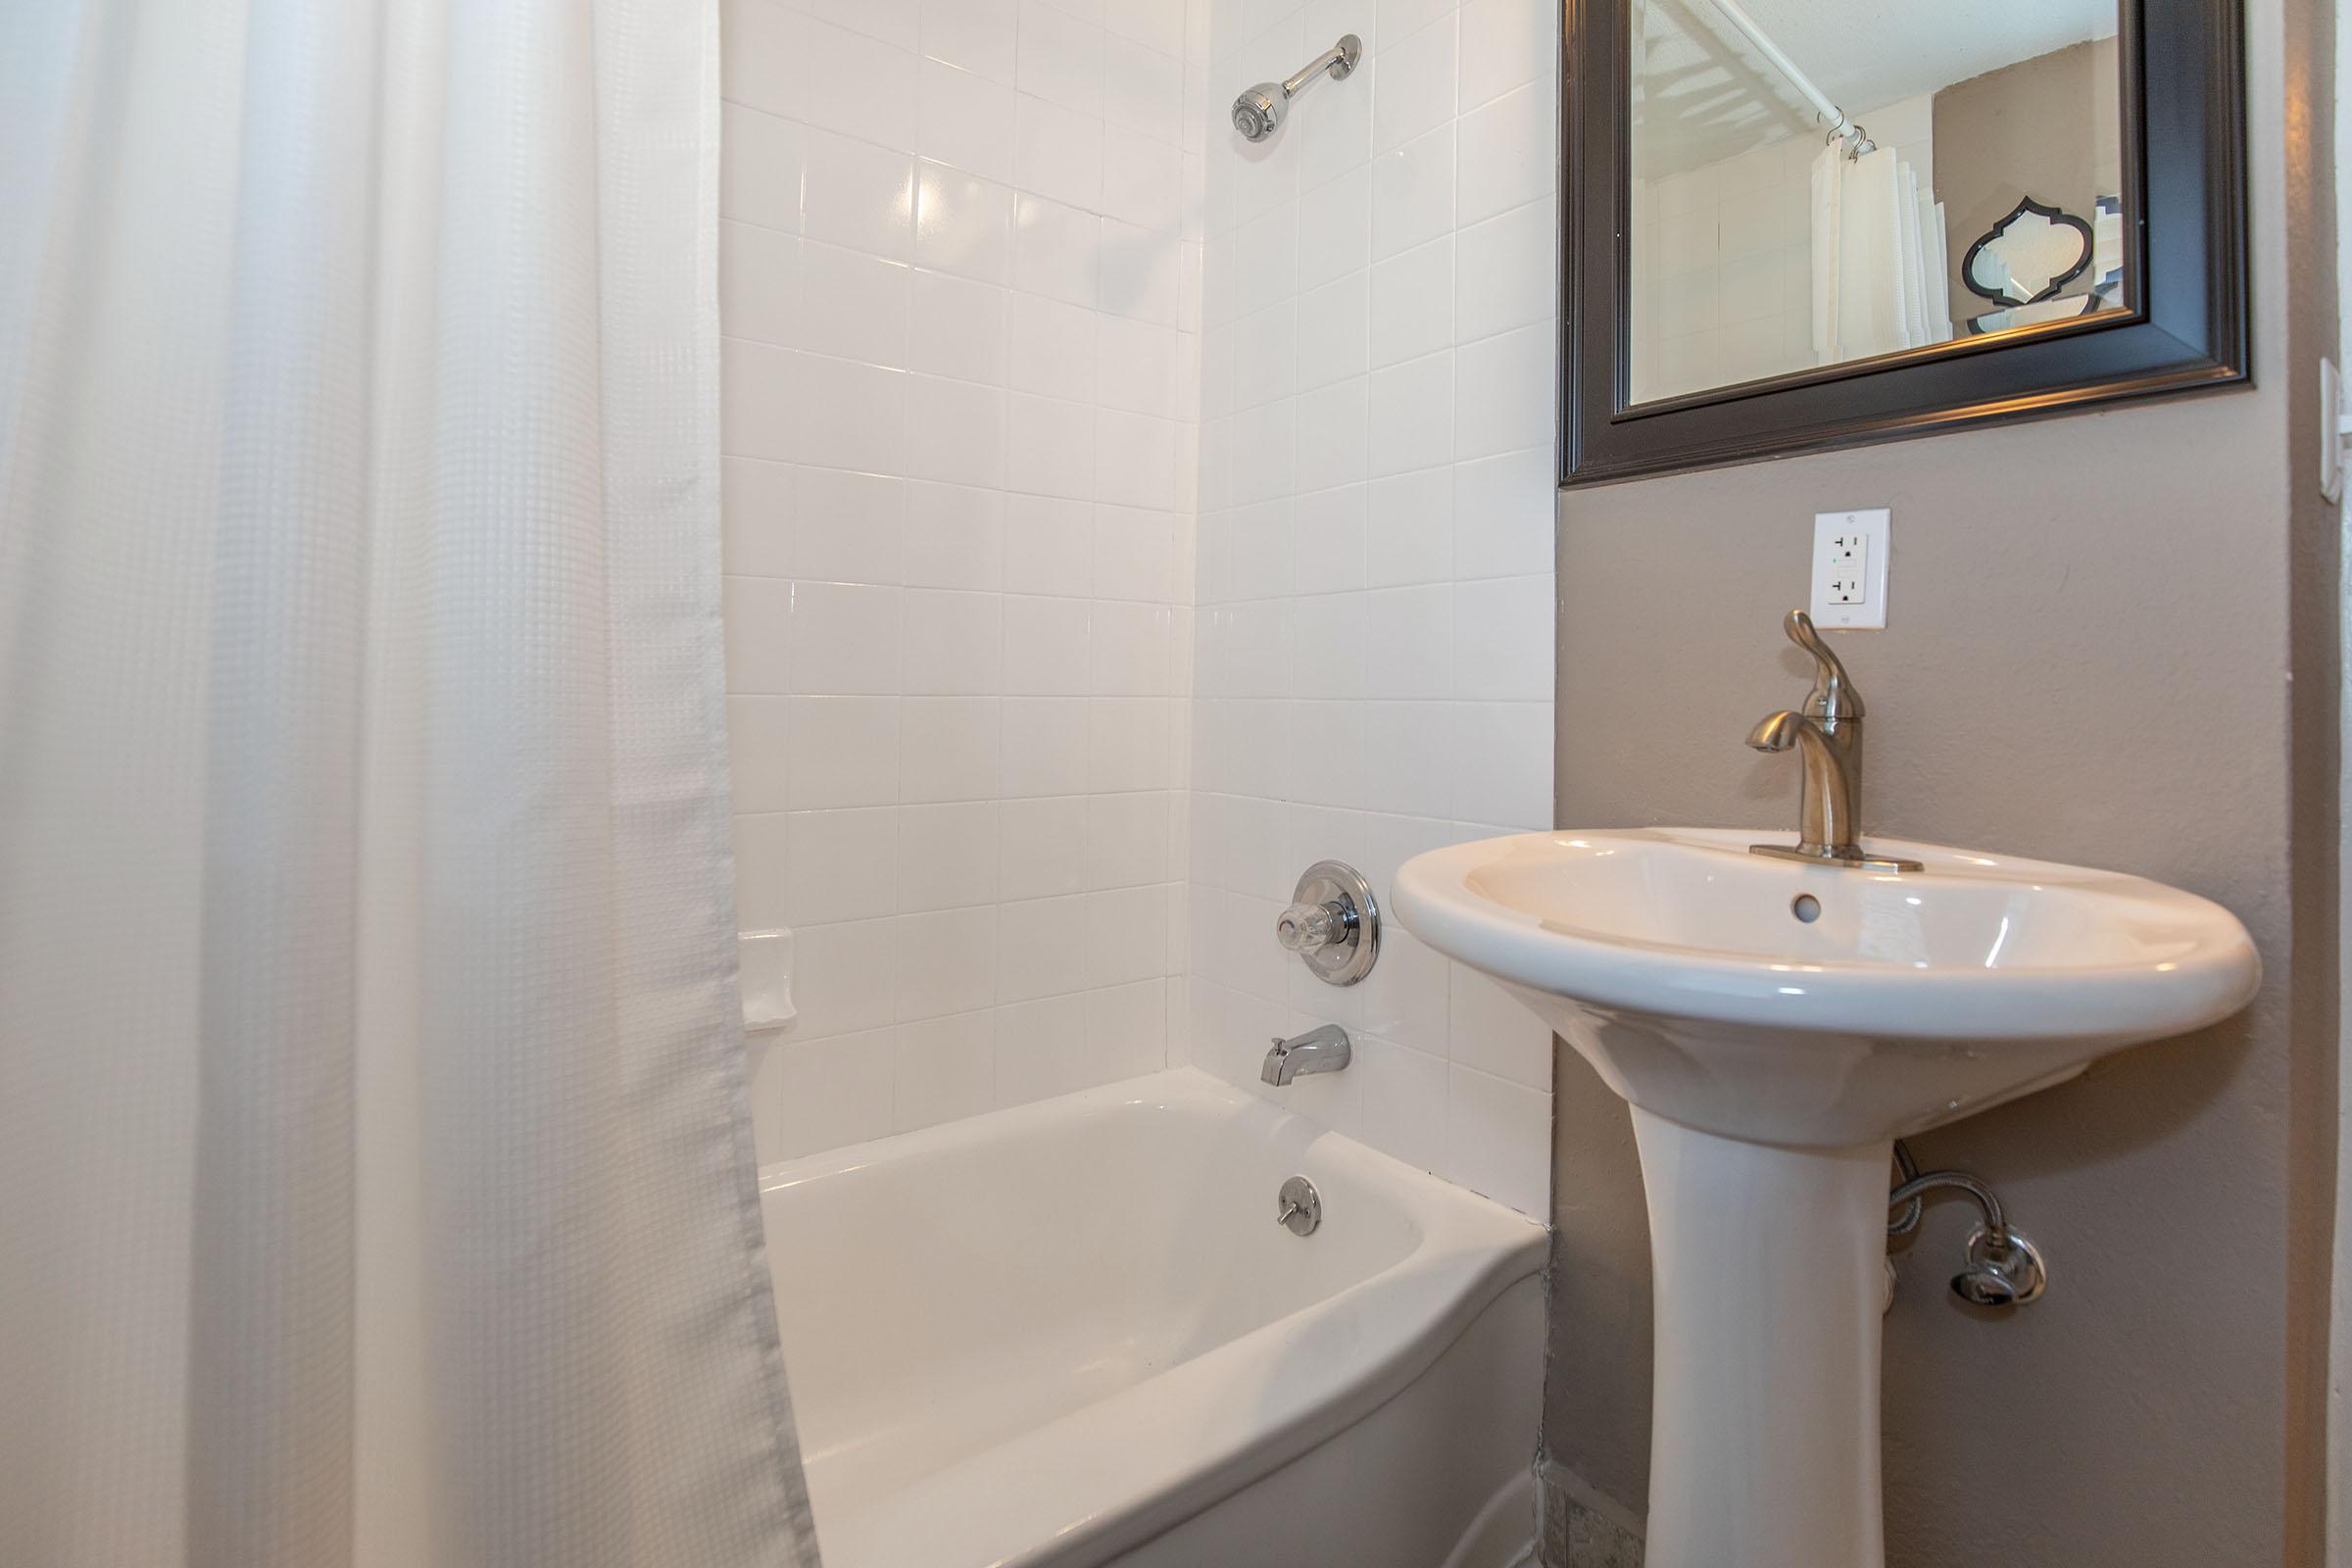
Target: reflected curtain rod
1750, 28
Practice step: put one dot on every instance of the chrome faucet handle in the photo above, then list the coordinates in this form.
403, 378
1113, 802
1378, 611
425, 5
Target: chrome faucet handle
1832, 697
1310, 927
1333, 923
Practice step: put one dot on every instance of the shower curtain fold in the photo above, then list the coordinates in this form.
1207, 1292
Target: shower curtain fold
1879, 269
373, 1137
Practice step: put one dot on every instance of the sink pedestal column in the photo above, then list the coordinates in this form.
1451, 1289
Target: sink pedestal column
1770, 1269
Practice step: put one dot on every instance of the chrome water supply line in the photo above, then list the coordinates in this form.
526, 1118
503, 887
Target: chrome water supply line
2000, 1267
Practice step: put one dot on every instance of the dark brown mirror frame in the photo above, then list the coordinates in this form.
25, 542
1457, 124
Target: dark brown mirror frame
2186, 208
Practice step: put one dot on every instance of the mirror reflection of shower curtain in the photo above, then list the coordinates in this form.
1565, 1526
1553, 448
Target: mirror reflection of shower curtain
1881, 279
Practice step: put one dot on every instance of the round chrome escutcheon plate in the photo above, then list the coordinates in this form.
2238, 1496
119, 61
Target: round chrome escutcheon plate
1354, 945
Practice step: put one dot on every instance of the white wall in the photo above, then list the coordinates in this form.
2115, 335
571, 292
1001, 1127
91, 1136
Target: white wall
1722, 272
959, 280
1373, 659
973, 421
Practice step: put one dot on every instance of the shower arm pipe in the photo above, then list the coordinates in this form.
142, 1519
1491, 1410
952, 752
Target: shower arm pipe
1750, 28
1336, 55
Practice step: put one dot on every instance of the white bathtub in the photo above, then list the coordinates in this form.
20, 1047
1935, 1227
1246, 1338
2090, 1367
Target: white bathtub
1073, 1333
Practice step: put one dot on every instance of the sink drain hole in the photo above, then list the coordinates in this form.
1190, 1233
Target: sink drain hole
1805, 907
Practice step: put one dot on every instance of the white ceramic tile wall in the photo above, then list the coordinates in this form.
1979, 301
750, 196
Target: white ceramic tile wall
1723, 259
960, 275
1373, 630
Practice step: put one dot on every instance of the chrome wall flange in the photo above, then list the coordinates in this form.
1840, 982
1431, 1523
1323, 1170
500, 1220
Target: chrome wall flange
2007, 1273
1333, 923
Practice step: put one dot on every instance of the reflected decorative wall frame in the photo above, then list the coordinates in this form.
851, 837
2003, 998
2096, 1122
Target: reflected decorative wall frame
2028, 256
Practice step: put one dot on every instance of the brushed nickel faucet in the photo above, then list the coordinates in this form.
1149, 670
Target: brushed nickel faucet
1827, 735
1324, 1050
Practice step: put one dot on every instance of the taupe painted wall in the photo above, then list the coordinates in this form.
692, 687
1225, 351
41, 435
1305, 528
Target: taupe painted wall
2112, 642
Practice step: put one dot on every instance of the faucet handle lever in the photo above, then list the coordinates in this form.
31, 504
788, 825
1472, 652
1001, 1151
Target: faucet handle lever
1834, 696
1311, 927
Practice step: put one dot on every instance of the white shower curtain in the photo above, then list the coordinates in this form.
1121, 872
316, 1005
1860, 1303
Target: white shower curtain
375, 1182
1880, 276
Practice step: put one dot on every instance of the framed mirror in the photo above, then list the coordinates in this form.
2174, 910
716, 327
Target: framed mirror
1792, 225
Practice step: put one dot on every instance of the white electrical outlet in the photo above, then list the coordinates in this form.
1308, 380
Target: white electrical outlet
1847, 559
1849, 569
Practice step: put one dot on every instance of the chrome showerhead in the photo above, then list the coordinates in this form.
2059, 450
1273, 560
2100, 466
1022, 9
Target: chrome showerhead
1257, 112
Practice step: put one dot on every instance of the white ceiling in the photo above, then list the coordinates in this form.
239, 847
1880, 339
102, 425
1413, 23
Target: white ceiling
1704, 94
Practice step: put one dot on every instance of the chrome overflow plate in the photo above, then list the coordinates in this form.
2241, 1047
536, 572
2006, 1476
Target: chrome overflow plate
1333, 923
1301, 1208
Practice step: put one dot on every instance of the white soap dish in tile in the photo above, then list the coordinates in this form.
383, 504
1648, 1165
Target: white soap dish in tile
764, 962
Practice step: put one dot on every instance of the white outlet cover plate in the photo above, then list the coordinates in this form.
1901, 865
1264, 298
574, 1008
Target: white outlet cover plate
1834, 603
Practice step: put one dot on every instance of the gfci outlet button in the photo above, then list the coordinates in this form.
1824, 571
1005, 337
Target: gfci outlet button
1849, 569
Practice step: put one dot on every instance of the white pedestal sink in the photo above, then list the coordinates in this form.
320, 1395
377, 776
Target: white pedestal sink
1776, 1027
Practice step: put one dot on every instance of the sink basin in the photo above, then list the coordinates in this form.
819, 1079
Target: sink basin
1776, 1026
1687, 971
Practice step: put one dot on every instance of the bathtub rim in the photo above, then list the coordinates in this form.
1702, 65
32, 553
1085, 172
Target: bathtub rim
1471, 1252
